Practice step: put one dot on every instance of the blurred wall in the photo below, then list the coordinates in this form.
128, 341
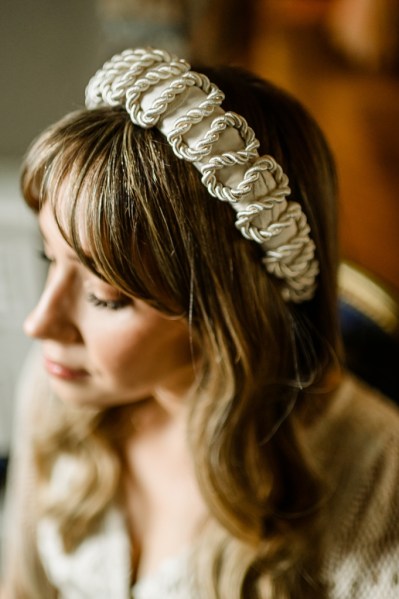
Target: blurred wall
48, 49
355, 98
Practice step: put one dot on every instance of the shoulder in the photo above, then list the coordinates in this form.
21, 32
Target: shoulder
359, 449
358, 429
22, 570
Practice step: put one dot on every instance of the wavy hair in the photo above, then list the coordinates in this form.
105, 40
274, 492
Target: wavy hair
153, 232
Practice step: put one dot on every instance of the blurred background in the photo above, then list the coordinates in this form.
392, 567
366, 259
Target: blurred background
340, 57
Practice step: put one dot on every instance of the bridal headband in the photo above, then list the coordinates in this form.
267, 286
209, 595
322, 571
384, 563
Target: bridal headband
158, 89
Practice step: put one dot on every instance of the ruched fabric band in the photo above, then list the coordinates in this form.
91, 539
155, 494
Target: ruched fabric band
159, 90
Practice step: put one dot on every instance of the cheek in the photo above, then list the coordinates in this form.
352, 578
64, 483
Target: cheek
154, 348
117, 351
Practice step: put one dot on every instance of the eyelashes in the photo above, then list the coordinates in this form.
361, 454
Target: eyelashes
115, 304
43, 256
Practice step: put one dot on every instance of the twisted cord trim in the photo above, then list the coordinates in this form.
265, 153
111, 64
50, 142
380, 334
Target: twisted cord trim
159, 90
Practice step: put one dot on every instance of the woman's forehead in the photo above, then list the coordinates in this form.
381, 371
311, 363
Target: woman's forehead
69, 207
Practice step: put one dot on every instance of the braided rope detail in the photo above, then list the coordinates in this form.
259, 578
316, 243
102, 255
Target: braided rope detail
158, 89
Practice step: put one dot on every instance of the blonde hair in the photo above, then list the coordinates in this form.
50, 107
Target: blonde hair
155, 233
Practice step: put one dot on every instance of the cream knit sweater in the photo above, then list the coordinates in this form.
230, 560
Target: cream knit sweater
357, 444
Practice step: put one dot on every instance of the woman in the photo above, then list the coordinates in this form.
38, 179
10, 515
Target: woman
194, 435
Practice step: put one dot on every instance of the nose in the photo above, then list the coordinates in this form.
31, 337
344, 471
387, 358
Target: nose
53, 316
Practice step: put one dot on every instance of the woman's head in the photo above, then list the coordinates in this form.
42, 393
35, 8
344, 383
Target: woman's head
140, 218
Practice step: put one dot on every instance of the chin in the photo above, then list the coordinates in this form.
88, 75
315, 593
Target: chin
90, 399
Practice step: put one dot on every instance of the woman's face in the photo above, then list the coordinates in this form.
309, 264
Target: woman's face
101, 348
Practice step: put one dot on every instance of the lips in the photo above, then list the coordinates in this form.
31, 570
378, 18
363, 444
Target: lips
62, 371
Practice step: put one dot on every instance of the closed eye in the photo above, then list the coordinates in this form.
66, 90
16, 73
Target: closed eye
45, 257
114, 304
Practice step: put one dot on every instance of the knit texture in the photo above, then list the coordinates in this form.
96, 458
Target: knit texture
356, 443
